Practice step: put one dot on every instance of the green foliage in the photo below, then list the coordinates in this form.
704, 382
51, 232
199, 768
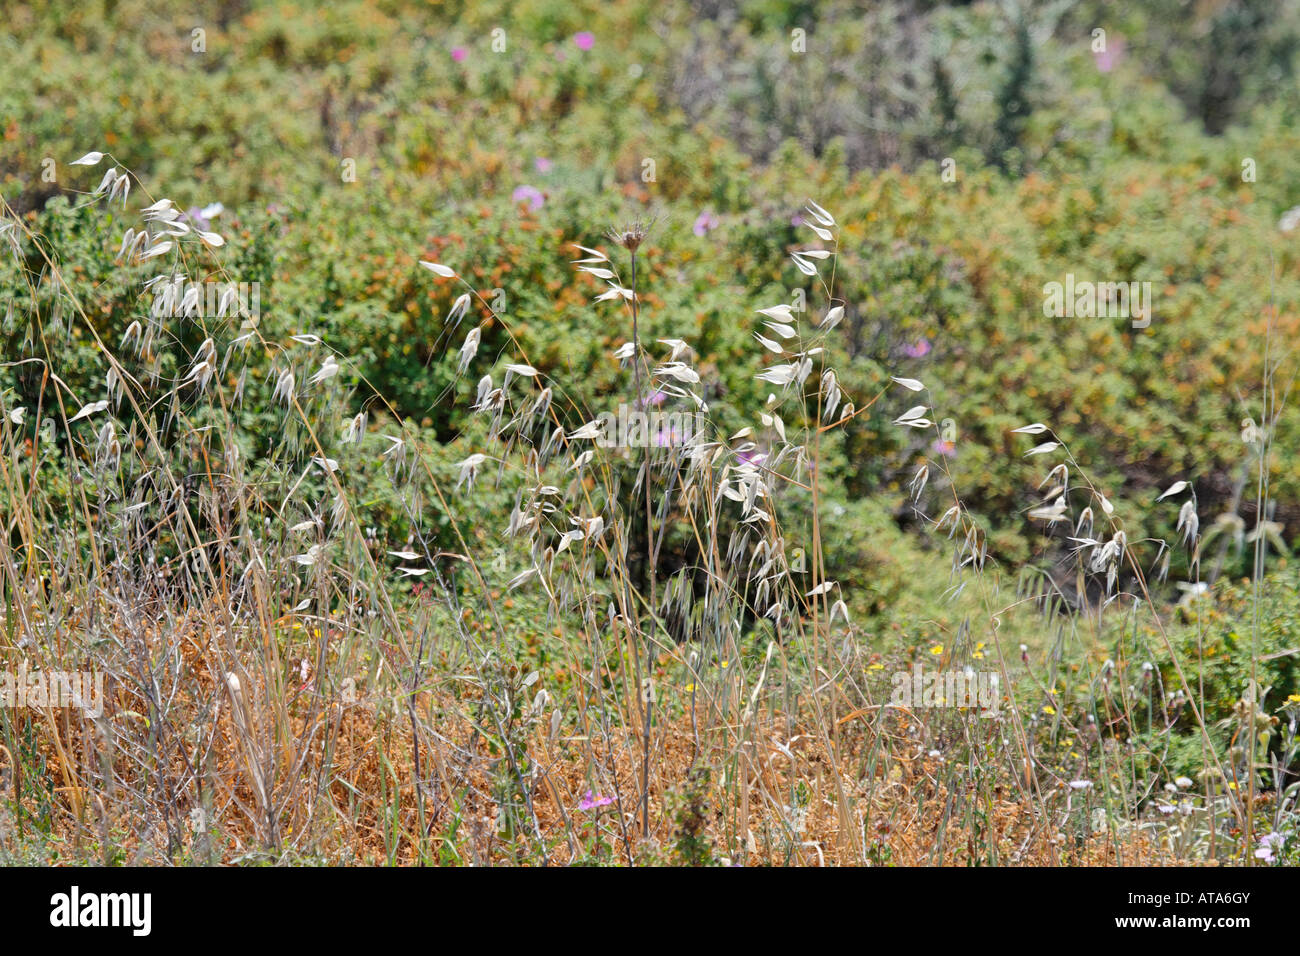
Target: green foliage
1223, 651
692, 846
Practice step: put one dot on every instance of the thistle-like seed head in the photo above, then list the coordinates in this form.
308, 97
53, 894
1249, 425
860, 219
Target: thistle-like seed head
629, 236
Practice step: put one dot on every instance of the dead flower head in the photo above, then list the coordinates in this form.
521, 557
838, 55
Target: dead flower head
631, 235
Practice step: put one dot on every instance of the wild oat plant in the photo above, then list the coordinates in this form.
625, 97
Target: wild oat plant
284, 680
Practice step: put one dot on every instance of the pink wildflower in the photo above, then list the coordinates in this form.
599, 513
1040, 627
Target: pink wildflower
593, 800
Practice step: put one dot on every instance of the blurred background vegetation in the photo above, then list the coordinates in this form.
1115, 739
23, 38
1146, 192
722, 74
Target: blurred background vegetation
348, 140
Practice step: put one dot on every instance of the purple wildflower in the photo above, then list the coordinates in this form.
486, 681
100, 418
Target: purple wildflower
1269, 843
918, 350
459, 53
202, 218
584, 40
705, 222
593, 800
529, 195
1107, 59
